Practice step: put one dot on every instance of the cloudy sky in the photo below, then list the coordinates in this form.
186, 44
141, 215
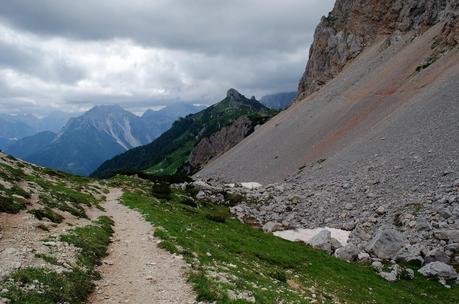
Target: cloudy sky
70, 55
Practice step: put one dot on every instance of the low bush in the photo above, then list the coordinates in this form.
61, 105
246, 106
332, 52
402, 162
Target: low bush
48, 213
9, 205
161, 191
218, 214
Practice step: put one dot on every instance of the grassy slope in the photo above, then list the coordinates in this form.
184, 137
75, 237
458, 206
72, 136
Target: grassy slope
59, 191
271, 269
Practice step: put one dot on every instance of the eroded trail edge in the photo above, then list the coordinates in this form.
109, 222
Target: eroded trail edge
136, 270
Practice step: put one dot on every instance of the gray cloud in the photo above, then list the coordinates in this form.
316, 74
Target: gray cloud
237, 26
73, 54
38, 63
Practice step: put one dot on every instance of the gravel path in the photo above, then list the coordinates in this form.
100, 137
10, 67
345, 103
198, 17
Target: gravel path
136, 270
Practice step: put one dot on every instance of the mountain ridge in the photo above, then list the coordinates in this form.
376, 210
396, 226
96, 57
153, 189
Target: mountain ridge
171, 150
95, 136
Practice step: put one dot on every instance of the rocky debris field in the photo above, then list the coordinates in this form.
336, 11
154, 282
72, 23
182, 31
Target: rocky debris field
421, 231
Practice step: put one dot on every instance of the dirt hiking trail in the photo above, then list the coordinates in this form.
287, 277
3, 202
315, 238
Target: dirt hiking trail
136, 270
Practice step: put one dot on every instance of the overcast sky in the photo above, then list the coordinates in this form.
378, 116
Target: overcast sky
72, 54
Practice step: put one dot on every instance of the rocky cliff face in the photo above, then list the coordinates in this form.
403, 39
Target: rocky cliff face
353, 25
219, 142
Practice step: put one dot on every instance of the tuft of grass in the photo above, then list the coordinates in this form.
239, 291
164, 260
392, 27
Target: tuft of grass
48, 258
161, 233
234, 199
191, 190
279, 275
93, 241
218, 214
161, 190
17, 173
9, 205
206, 290
18, 191
48, 213
49, 287
168, 245
188, 202
68, 200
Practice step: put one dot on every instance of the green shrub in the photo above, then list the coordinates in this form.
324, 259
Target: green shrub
74, 210
161, 233
278, 275
191, 190
234, 199
218, 214
168, 245
8, 205
188, 202
19, 191
161, 191
47, 213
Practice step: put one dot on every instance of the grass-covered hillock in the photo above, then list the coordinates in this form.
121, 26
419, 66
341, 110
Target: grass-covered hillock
234, 263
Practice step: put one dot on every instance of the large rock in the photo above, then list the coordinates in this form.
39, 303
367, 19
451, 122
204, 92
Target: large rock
392, 275
447, 235
411, 254
440, 270
386, 244
349, 252
437, 255
271, 227
322, 241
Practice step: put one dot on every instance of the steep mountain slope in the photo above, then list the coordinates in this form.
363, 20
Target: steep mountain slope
29, 145
171, 150
404, 79
353, 25
279, 101
372, 149
86, 141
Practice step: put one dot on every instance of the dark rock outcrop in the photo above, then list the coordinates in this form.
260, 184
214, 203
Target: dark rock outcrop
219, 142
353, 25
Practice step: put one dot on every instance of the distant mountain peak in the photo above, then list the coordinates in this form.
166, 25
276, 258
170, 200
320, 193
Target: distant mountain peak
106, 109
233, 94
